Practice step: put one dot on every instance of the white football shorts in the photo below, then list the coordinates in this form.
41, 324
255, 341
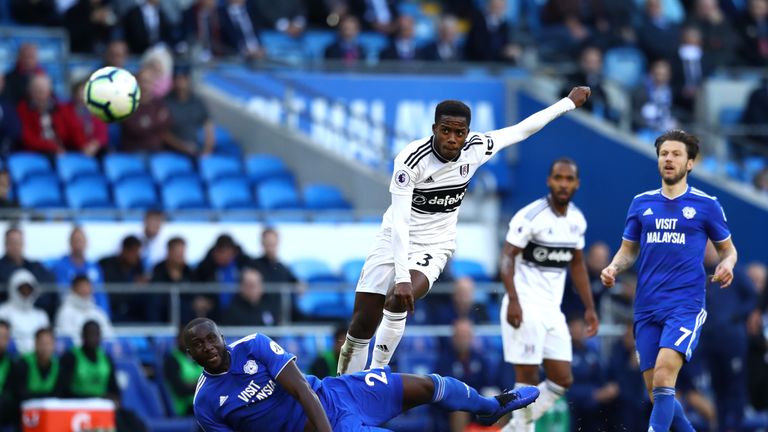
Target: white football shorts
540, 336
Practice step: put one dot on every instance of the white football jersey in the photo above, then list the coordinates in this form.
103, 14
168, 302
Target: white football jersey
437, 186
548, 241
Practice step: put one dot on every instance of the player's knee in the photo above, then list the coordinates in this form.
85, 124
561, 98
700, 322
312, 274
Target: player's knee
527, 375
664, 376
394, 304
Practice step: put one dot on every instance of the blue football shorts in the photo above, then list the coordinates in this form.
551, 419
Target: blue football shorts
675, 328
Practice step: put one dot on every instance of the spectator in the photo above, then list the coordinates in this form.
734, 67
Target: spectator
36, 13
598, 258
47, 125
126, 267
591, 74
158, 61
6, 201
719, 40
202, 30
757, 272
94, 129
223, 262
152, 247
250, 307
462, 305
324, 14
180, 376
145, 129
633, 406
90, 24
14, 258
689, 68
376, 15
591, 395
17, 80
724, 341
10, 125
657, 35
88, 371
463, 361
693, 396
617, 306
459, 8
326, 363
489, 36
9, 413
189, 115
756, 114
402, 45
20, 311
346, 47
145, 25
240, 31
447, 46
174, 268
37, 372
285, 16
564, 25
269, 265
116, 54
66, 268
757, 358
760, 182
77, 308
754, 34
652, 101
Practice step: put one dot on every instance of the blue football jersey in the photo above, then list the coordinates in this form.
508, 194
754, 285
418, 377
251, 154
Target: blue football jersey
673, 234
247, 397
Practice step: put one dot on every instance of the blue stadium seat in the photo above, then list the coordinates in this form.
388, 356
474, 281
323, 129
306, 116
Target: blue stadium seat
231, 194
625, 65
119, 166
730, 116
277, 195
25, 165
216, 167
136, 193
316, 41
40, 192
323, 305
226, 144
282, 46
166, 165
469, 268
350, 270
87, 193
324, 197
260, 167
313, 270
183, 195
373, 44
71, 166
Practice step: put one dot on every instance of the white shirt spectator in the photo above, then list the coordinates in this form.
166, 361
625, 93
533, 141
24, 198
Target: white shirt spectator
20, 311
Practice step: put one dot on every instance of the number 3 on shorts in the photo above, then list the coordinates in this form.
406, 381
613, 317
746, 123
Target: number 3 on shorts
371, 376
686, 333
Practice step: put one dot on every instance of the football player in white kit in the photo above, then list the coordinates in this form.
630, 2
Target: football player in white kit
545, 238
418, 230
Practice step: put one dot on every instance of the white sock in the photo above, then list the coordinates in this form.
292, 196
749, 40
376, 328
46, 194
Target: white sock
388, 337
521, 420
353, 356
549, 393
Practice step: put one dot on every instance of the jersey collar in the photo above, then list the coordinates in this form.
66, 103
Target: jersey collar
687, 189
440, 158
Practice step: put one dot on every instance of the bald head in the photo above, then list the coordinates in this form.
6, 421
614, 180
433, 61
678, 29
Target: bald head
40, 90
192, 327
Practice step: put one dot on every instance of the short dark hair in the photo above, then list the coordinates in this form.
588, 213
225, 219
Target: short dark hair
91, 323
174, 241
564, 160
42, 331
79, 279
6, 324
131, 242
153, 212
453, 108
691, 141
225, 240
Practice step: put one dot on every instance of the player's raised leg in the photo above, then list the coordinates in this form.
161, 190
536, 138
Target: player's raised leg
365, 318
393, 322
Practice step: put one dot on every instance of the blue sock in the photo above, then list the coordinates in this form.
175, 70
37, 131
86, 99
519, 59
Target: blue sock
663, 409
680, 423
453, 395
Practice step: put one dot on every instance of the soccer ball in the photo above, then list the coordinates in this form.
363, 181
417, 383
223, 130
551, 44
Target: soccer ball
112, 94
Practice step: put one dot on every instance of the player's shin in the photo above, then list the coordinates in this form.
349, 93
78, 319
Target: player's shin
388, 336
353, 356
549, 394
454, 395
663, 409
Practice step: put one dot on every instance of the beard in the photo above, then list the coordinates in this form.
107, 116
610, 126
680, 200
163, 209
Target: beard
675, 178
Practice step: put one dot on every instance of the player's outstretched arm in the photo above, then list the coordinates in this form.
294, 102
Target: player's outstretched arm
623, 260
292, 380
581, 282
728, 256
535, 122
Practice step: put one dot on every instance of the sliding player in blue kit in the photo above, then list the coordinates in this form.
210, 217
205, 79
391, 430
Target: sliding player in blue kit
254, 385
666, 232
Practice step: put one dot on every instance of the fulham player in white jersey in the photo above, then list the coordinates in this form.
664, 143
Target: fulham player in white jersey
418, 231
544, 240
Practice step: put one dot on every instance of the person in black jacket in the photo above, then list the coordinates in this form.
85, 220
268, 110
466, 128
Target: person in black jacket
447, 46
269, 265
402, 45
14, 259
346, 47
250, 307
90, 24
146, 25
239, 28
489, 38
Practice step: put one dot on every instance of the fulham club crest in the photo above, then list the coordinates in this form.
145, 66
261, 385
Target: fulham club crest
464, 170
